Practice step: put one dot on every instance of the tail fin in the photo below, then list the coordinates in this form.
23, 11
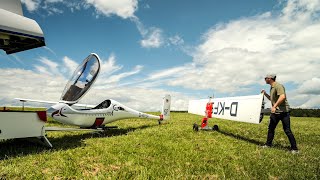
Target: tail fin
165, 111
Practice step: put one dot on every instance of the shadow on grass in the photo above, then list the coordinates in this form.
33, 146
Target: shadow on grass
22, 147
252, 141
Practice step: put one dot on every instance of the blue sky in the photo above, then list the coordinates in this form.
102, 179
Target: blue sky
189, 49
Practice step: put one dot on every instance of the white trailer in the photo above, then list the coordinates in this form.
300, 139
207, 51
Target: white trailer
23, 124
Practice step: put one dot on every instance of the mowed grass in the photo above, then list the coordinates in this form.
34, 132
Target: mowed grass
142, 149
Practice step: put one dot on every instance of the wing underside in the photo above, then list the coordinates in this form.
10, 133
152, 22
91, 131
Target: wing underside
70, 129
241, 108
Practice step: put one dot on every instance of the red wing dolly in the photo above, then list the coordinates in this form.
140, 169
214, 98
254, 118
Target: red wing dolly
204, 122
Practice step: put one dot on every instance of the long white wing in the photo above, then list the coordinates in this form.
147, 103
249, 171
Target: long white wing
70, 129
33, 100
241, 108
53, 102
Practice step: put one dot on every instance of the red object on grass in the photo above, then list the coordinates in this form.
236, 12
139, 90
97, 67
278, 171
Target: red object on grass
204, 122
209, 109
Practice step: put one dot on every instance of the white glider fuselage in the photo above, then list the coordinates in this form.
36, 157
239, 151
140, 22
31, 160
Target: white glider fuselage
95, 117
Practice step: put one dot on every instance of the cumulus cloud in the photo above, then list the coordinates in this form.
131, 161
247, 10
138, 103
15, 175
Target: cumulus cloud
31, 5
311, 87
29, 84
176, 40
118, 77
123, 8
53, 1
70, 65
166, 73
48, 67
153, 39
113, 80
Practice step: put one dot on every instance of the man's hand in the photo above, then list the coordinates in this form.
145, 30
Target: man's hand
264, 93
273, 109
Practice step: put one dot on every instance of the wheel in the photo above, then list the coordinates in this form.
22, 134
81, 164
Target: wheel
215, 128
195, 127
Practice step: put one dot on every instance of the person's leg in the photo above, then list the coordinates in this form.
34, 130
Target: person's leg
274, 120
287, 130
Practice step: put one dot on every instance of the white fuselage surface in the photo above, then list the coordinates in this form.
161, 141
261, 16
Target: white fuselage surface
96, 116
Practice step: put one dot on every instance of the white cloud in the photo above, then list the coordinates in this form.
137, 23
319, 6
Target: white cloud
123, 8
118, 77
310, 87
29, 84
17, 58
48, 67
176, 40
31, 5
53, 1
50, 50
109, 66
70, 64
166, 73
153, 38
48, 6
312, 102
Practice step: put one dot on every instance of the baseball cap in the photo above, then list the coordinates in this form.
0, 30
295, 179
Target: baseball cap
271, 76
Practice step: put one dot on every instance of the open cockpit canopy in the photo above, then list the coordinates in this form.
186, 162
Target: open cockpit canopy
81, 80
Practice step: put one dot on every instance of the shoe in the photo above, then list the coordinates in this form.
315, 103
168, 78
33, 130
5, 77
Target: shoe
265, 146
294, 151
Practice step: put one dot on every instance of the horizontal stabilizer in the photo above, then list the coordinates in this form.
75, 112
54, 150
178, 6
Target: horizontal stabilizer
241, 108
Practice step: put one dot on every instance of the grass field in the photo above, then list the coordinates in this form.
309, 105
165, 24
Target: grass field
141, 149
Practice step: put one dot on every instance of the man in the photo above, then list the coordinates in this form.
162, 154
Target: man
279, 111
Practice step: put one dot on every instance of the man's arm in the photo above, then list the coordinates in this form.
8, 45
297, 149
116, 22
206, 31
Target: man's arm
264, 93
282, 97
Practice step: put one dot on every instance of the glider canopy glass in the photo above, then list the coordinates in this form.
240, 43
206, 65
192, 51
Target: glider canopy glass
82, 79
